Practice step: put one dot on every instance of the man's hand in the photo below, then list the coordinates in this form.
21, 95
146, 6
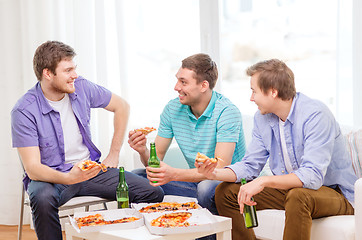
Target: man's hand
137, 141
207, 169
111, 160
162, 175
247, 191
77, 175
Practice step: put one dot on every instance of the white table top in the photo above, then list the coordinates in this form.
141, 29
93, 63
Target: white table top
222, 227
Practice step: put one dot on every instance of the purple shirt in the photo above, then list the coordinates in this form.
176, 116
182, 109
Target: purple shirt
35, 123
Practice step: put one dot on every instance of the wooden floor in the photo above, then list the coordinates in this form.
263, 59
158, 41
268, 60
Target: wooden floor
11, 233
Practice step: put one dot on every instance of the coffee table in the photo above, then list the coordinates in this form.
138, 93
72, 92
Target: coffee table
222, 228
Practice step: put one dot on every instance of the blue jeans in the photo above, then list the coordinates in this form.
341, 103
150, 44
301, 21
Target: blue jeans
204, 191
45, 198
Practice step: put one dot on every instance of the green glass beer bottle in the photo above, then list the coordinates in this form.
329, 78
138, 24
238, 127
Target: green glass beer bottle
250, 217
122, 190
153, 161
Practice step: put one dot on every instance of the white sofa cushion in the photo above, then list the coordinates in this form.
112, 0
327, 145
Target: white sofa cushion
271, 221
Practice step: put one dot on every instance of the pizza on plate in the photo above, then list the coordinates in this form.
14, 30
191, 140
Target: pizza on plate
168, 206
145, 130
97, 220
201, 158
88, 164
169, 220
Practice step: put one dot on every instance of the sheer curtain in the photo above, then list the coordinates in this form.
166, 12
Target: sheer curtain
103, 33
83, 24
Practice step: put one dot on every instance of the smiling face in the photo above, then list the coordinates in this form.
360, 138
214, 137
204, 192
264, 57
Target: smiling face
264, 100
55, 86
187, 87
63, 80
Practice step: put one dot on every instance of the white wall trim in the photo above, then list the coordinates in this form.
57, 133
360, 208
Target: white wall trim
357, 62
210, 31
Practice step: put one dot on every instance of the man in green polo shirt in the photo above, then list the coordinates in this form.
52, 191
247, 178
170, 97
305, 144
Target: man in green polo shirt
201, 120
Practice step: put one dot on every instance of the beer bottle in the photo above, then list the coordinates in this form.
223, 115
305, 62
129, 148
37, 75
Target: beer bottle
122, 190
153, 161
250, 217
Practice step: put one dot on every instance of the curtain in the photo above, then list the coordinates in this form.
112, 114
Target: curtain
94, 30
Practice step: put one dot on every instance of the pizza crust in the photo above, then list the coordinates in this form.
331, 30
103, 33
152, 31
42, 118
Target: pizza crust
145, 130
168, 206
201, 158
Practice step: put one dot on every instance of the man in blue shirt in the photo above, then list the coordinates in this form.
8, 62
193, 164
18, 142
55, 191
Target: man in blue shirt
200, 120
312, 173
50, 129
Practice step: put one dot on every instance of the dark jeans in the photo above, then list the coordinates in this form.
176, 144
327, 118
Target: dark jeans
45, 198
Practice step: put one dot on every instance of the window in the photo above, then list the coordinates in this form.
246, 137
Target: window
158, 35
303, 33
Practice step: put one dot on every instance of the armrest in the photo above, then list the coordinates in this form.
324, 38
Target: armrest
358, 208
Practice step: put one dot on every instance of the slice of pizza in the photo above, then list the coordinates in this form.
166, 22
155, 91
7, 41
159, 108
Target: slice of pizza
90, 220
145, 130
188, 206
88, 164
177, 219
97, 220
123, 220
168, 206
201, 158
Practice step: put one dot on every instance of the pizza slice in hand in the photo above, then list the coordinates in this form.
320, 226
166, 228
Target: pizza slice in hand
88, 164
201, 158
145, 130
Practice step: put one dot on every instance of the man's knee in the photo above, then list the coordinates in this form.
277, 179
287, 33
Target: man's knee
44, 197
298, 194
140, 172
206, 189
206, 193
297, 198
157, 194
226, 191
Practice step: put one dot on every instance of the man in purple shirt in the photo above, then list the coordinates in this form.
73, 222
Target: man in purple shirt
50, 129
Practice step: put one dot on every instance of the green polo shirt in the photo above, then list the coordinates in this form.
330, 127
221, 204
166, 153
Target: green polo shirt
220, 122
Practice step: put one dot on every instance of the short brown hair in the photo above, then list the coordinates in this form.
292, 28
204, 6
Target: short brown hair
274, 74
204, 67
48, 55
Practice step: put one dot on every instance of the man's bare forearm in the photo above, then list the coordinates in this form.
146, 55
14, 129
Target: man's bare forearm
224, 174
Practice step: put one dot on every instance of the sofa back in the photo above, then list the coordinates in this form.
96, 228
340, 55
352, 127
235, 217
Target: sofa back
354, 146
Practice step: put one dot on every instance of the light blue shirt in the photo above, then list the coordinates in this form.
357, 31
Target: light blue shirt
315, 144
220, 122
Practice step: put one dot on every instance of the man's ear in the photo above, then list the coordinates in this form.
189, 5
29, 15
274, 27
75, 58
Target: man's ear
204, 85
47, 74
274, 93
